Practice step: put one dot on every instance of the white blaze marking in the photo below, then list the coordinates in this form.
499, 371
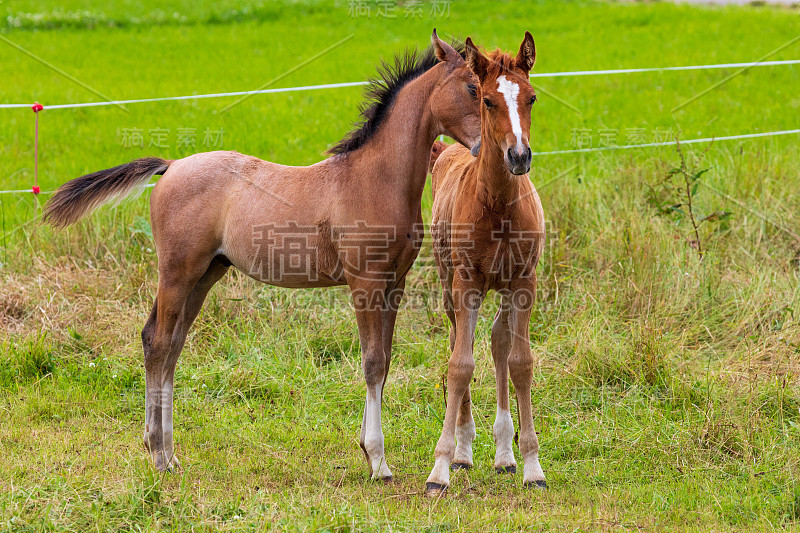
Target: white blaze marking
510, 92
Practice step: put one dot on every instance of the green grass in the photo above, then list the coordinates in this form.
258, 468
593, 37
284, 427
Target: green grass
666, 388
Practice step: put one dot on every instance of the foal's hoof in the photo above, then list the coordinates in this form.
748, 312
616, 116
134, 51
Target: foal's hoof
171, 468
506, 469
460, 466
538, 484
435, 490
162, 465
379, 471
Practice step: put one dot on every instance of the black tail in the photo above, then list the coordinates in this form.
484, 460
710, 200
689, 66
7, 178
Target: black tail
79, 197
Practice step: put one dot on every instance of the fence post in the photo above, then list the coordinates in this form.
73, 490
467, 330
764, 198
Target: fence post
36, 108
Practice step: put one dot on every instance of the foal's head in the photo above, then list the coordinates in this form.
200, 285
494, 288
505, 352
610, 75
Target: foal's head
507, 100
454, 102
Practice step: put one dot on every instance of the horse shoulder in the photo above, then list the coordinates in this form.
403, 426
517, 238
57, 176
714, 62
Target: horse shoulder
448, 163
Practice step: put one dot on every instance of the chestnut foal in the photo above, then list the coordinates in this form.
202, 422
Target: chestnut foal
353, 219
488, 233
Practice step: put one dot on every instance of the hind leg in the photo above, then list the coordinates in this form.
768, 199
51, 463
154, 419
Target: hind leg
163, 338
465, 434
157, 341
441, 253
152, 439
447, 299
503, 429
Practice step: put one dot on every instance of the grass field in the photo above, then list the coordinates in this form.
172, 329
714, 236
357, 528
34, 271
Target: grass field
666, 389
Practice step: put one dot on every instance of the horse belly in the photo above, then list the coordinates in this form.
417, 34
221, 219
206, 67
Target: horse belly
288, 255
322, 254
295, 270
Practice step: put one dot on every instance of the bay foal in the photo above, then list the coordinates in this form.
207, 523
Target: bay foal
488, 233
353, 219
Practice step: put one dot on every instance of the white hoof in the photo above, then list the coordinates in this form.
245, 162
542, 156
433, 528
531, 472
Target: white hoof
380, 470
533, 474
439, 479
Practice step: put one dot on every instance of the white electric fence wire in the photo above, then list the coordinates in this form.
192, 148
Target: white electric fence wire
358, 83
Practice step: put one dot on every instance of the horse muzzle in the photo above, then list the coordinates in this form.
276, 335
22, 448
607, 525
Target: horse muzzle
519, 163
476, 148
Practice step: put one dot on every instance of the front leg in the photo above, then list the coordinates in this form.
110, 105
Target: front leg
368, 299
394, 297
520, 364
467, 298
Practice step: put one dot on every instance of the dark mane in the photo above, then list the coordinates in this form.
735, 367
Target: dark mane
381, 92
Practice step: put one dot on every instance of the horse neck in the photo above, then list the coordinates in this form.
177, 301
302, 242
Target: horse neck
401, 147
497, 187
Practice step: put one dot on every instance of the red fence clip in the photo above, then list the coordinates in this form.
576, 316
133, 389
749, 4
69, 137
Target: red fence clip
36, 189
37, 107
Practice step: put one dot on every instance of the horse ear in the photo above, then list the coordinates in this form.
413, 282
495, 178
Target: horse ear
527, 54
476, 61
444, 52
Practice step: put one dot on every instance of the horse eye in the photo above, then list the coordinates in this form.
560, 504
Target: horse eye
488, 103
473, 91
533, 100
